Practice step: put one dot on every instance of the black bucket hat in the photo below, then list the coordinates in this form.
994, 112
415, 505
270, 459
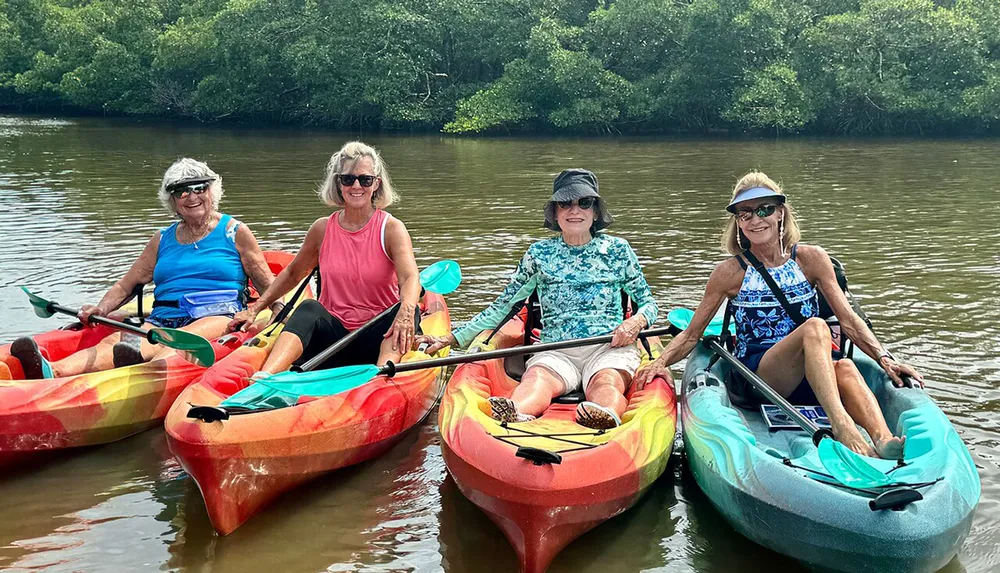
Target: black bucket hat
575, 184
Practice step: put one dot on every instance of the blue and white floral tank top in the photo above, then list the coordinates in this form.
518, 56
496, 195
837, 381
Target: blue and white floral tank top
760, 320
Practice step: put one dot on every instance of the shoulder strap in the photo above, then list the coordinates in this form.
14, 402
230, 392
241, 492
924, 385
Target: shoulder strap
792, 312
743, 263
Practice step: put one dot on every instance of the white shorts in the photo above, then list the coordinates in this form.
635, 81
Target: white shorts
576, 366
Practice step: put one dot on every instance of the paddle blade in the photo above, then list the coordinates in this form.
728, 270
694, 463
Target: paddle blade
38, 304
286, 388
849, 468
191, 347
443, 277
681, 318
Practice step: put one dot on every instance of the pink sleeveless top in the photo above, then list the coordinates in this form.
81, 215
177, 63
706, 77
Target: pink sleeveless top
358, 278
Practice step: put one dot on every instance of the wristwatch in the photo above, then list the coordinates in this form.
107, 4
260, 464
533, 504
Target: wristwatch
885, 354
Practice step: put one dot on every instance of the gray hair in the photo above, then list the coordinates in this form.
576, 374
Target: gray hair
344, 160
187, 168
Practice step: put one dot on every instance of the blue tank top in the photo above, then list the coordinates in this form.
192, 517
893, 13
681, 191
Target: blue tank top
211, 263
760, 319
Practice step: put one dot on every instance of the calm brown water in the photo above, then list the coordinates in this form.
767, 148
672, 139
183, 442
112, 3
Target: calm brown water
917, 223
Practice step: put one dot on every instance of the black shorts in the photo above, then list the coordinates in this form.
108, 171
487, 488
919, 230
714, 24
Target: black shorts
318, 330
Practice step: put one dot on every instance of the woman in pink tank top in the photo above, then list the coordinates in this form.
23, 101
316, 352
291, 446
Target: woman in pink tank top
366, 265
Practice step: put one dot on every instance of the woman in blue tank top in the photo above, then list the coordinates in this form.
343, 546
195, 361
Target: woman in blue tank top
204, 250
796, 361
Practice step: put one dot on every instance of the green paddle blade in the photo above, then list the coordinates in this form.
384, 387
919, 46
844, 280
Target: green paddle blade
681, 318
191, 347
38, 304
848, 467
443, 277
285, 388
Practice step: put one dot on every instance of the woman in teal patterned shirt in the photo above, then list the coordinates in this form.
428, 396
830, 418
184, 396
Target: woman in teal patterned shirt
579, 277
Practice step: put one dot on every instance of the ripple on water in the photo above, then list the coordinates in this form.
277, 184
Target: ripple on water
78, 203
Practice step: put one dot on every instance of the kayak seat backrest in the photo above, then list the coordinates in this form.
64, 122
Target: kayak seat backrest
515, 366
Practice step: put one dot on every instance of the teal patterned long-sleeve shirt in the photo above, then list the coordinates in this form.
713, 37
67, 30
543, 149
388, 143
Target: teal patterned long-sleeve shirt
579, 289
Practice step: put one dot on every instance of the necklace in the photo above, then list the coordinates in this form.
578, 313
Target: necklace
199, 236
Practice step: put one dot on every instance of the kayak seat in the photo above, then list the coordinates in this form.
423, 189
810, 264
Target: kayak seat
571, 398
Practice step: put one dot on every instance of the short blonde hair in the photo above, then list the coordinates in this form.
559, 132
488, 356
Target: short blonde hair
187, 168
734, 241
344, 160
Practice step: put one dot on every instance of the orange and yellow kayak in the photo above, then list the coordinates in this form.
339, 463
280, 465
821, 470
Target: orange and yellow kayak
547, 481
242, 463
44, 416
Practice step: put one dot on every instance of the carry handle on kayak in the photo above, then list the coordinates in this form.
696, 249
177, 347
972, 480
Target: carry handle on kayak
895, 499
538, 456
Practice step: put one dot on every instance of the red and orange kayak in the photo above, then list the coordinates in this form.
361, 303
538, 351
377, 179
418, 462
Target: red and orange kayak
244, 462
44, 416
542, 501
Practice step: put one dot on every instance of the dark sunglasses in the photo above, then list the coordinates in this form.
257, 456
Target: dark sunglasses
365, 180
762, 211
197, 189
584, 203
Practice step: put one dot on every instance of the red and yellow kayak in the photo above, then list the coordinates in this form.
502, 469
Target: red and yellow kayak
39, 416
539, 503
241, 464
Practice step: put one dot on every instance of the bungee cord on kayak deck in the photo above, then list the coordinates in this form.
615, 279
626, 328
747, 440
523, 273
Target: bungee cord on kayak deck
559, 437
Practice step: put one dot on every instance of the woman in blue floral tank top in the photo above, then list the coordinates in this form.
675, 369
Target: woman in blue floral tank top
579, 276
796, 361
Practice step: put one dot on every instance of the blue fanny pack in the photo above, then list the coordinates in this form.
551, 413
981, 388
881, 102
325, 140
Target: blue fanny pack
211, 303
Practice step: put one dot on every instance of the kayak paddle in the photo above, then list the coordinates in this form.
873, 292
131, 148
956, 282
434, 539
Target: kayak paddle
189, 346
285, 388
442, 277
844, 465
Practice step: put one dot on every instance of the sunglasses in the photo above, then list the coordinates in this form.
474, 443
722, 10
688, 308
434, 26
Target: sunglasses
365, 180
584, 203
762, 211
197, 189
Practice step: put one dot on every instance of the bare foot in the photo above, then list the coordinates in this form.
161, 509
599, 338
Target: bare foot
849, 435
890, 448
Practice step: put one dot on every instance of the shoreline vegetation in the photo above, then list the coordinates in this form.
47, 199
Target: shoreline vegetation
697, 67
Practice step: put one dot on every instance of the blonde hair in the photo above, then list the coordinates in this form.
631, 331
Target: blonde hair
733, 240
187, 168
344, 160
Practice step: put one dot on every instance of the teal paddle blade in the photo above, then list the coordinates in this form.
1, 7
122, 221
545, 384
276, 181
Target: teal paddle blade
285, 388
848, 467
443, 277
38, 304
191, 347
681, 318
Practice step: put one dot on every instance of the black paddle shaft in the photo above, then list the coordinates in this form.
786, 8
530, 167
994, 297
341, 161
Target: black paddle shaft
805, 423
54, 307
391, 369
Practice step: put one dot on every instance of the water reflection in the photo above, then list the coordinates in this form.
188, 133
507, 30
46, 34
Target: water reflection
914, 221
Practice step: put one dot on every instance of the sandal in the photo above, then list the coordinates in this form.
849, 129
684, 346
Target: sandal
35, 367
503, 410
124, 354
596, 417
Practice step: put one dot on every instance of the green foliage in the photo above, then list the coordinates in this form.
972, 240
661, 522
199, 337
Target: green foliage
469, 66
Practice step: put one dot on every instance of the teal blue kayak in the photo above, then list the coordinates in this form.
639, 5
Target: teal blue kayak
772, 487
